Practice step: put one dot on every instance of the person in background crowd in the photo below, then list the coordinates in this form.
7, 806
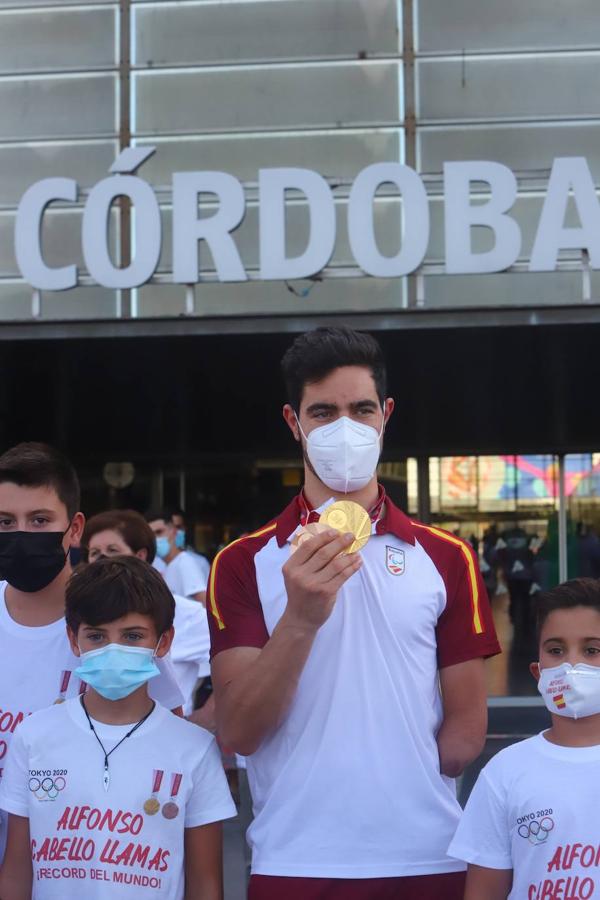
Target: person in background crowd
155, 789
39, 519
589, 551
516, 559
178, 518
183, 574
352, 681
531, 827
124, 532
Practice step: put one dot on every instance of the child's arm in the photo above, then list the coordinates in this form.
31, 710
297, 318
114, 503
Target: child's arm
203, 847
488, 884
16, 872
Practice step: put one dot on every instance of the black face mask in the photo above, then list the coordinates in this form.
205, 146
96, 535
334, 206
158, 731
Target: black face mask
30, 560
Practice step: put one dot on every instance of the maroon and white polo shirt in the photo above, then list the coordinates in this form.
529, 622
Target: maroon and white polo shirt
349, 785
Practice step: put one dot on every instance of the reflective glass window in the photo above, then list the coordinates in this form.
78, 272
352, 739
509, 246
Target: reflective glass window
203, 33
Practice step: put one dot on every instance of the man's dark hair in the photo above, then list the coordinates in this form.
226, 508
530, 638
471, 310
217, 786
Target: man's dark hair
111, 588
131, 525
37, 465
315, 354
160, 512
577, 592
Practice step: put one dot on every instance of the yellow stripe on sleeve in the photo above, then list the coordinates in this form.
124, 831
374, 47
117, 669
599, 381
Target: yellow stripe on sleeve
214, 607
477, 625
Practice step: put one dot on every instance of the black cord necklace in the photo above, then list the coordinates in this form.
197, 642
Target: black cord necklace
106, 776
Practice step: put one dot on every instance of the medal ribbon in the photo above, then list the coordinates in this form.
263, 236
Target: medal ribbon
157, 778
176, 778
64, 682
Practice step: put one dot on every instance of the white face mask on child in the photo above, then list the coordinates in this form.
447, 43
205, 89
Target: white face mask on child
571, 691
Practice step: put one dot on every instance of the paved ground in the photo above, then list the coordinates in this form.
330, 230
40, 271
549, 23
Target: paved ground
233, 854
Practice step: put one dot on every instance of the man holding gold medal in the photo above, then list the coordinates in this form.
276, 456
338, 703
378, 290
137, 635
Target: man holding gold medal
347, 657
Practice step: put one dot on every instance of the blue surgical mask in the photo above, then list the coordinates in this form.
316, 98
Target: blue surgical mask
180, 539
163, 546
115, 671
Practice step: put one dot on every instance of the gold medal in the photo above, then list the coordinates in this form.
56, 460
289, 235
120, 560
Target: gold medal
346, 517
151, 806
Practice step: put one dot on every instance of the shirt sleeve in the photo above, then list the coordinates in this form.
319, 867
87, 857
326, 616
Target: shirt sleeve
164, 687
14, 793
465, 629
210, 800
233, 602
192, 639
193, 579
482, 837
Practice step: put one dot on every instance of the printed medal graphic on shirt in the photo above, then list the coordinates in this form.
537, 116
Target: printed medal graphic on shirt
170, 810
152, 804
65, 677
395, 562
47, 784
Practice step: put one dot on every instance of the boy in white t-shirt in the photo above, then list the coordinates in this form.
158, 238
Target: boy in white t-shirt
531, 828
39, 522
125, 532
109, 795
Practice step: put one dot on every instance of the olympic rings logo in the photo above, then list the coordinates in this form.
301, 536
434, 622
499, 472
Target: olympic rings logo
537, 831
47, 788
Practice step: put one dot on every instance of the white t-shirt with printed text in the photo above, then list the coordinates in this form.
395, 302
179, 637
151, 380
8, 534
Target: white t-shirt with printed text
95, 843
184, 575
534, 809
37, 669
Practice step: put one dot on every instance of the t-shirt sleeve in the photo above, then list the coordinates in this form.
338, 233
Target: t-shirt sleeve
192, 640
233, 603
164, 687
193, 578
14, 793
210, 800
482, 837
465, 629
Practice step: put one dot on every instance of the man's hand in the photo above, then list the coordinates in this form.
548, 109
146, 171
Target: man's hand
255, 688
461, 737
313, 576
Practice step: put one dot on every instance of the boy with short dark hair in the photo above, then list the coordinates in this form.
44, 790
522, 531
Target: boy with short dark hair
39, 521
531, 827
109, 795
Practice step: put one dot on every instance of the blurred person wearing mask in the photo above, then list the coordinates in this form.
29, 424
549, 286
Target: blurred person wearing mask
124, 532
183, 573
178, 518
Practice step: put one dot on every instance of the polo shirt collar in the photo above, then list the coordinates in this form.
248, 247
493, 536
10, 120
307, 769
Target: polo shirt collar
396, 522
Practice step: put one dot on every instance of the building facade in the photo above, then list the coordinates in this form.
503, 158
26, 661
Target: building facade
492, 358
